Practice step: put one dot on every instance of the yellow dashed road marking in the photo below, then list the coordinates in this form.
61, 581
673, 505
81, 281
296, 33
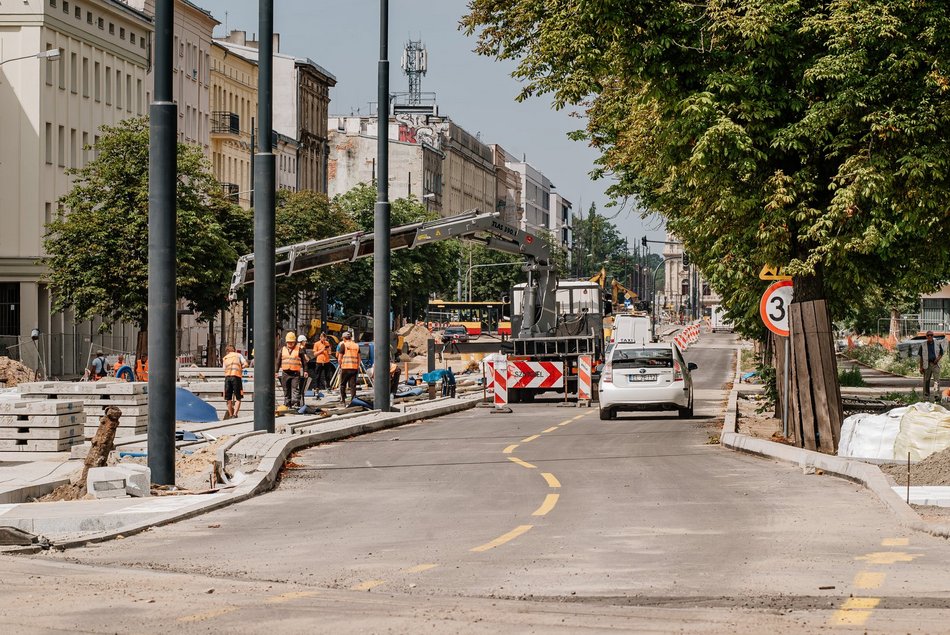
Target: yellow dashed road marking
565, 423
887, 557
510, 449
208, 615
500, 540
549, 502
895, 542
366, 586
551, 429
855, 611
293, 595
868, 580
419, 568
531, 438
515, 459
579, 417
551, 479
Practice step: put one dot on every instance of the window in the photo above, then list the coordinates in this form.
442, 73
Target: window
111, 29
73, 73
108, 85
138, 96
61, 146
62, 72
10, 301
48, 213
65, 7
52, 3
100, 23
97, 82
49, 143
132, 38
89, 17
85, 77
85, 148
118, 89
49, 68
121, 33
78, 13
73, 149
128, 93
95, 146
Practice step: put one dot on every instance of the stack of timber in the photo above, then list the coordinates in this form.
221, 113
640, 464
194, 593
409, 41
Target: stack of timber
130, 397
40, 425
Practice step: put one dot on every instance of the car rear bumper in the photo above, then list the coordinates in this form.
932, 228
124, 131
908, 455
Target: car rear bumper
668, 397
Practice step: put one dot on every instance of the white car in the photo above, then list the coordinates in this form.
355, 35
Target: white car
646, 377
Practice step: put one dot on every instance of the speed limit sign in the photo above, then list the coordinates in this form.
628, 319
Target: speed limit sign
774, 307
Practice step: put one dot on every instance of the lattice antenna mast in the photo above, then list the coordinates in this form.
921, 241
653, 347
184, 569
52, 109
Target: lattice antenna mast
415, 63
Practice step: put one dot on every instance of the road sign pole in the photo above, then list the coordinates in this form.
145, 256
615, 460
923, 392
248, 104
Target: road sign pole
787, 380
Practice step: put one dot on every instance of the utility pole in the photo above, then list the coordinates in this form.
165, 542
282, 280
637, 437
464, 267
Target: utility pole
265, 298
381, 224
162, 219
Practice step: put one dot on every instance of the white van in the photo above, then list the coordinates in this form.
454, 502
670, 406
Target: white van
718, 321
632, 329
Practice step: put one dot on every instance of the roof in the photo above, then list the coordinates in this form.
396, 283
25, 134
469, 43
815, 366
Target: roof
252, 53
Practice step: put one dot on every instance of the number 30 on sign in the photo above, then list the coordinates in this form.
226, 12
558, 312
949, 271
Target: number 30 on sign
774, 307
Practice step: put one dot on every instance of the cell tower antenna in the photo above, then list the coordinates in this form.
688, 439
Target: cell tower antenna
415, 63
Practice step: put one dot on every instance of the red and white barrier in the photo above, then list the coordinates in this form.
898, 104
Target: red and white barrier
501, 384
490, 377
583, 378
535, 374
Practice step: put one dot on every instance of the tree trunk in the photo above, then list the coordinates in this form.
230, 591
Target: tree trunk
102, 445
211, 346
141, 344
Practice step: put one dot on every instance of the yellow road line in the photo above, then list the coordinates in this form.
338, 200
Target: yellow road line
510, 449
565, 422
500, 540
551, 479
515, 459
887, 557
579, 417
854, 611
293, 595
208, 615
531, 438
549, 502
895, 542
419, 568
366, 586
551, 429
868, 580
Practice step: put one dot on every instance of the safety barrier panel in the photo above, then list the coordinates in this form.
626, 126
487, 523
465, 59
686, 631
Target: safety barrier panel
583, 378
501, 384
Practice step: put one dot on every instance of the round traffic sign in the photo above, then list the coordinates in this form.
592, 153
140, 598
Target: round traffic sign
774, 307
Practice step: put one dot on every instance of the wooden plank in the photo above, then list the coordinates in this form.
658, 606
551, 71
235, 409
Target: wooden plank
794, 421
825, 438
830, 368
802, 397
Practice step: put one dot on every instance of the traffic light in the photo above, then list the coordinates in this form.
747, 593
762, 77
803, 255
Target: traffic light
685, 259
643, 241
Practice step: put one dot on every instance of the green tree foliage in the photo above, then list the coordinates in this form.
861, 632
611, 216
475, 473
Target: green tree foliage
98, 250
492, 282
811, 134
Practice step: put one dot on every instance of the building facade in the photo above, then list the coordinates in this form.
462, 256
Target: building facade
683, 286
233, 107
562, 222
468, 172
536, 190
301, 106
57, 109
508, 203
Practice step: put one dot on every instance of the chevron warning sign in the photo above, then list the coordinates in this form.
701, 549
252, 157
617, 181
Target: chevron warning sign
535, 374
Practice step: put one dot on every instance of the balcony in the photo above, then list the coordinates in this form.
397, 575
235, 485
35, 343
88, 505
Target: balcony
231, 191
225, 123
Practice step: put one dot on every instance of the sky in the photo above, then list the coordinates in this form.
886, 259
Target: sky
477, 92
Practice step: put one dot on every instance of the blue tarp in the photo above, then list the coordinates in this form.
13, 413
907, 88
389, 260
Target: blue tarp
191, 407
439, 374
413, 392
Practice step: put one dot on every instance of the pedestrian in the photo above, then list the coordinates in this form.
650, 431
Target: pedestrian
321, 358
234, 365
291, 369
930, 355
98, 368
304, 380
348, 356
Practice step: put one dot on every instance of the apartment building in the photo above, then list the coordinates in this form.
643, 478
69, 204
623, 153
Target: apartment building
52, 112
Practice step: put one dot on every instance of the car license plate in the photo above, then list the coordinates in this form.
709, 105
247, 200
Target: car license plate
637, 378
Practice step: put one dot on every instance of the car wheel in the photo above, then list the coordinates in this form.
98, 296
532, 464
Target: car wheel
687, 412
606, 414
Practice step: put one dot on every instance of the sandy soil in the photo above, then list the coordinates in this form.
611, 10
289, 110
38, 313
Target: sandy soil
13, 373
760, 425
934, 470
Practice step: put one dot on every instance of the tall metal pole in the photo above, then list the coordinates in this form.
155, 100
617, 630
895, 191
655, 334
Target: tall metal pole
162, 217
265, 299
381, 225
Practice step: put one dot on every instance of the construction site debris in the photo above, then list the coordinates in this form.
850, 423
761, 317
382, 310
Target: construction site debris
934, 470
13, 372
416, 337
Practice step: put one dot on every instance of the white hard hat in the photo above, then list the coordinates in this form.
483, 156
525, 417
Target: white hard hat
302, 338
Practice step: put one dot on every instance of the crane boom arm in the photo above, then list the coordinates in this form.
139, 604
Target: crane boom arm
312, 254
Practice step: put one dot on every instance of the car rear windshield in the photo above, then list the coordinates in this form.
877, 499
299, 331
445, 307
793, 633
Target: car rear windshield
642, 358
456, 329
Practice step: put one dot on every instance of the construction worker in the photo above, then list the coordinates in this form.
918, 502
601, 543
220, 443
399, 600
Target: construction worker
291, 369
97, 368
323, 372
141, 368
234, 365
394, 373
348, 356
303, 380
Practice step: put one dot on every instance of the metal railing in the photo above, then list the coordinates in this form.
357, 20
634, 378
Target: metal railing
223, 122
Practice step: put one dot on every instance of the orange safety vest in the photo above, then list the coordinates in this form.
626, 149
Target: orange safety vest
141, 370
232, 365
290, 360
350, 352
321, 351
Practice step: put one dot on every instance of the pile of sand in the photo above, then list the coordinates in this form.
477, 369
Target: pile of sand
934, 470
13, 372
416, 337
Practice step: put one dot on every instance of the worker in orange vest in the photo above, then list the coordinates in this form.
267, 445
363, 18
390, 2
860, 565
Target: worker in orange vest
321, 356
234, 364
291, 368
141, 368
348, 356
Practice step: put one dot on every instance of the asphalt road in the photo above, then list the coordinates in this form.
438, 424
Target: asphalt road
547, 520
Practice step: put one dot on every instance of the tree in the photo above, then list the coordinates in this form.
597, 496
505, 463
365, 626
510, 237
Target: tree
809, 134
600, 245
98, 250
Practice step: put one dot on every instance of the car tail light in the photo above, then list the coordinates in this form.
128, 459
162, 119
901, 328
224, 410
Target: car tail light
608, 374
677, 371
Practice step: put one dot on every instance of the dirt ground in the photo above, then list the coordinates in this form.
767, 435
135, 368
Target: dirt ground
761, 425
13, 373
934, 470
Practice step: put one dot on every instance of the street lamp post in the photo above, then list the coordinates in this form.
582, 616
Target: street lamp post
656, 271
382, 222
49, 55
